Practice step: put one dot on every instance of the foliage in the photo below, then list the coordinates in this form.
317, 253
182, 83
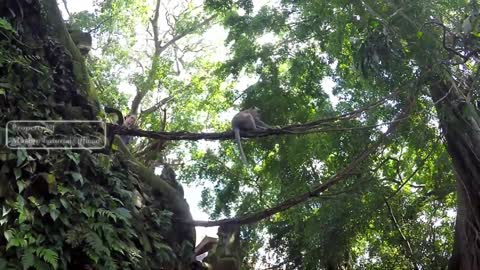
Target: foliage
371, 51
395, 211
67, 209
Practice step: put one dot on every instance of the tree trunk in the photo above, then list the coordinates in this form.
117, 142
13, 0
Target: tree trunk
459, 121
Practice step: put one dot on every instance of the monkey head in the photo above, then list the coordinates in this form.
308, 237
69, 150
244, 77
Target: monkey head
130, 120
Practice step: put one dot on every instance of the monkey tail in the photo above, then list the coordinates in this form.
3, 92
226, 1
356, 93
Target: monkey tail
239, 143
117, 112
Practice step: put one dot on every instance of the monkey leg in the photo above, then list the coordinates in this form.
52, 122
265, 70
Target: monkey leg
261, 125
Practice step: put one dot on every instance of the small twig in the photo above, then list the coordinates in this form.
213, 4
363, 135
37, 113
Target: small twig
403, 183
402, 235
157, 106
66, 8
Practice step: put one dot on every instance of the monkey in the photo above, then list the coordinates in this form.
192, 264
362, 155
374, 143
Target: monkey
228, 247
247, 120
129, 122
226, 252
471, 23
119, 121
169, 175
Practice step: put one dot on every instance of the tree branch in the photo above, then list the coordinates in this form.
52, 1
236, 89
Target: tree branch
227, 135
66, 8
157, 106
407, 242
185, 33
154, 22
159, 49
315, 190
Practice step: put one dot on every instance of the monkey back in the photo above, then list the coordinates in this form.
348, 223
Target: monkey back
243, 121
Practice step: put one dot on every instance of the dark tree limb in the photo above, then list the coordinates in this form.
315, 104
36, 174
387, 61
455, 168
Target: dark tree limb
407, 244
317, 189
327, 124
228, 135
157, 106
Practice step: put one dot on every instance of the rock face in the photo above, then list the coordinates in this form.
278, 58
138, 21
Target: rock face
74, 209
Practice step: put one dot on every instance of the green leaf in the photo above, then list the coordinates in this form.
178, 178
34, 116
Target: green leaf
21, 156
2, 88
54, 213
3, 221
123, 212
88, 211
16, 240
17, 172
419, 34
21, 185
476, 34
43, 209
28, 259
64, 203
374, 23
77, 177
5, 25
75, 157
3, 263
96, 244
50, 178
106, 213
8, 234
6, 156
5, 210
48, 255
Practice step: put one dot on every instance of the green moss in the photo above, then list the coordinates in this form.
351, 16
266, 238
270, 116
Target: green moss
58, 29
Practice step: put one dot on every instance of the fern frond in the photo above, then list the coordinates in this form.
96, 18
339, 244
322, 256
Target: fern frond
73, 238
28, 259
48, 255
96, 244
5, 25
